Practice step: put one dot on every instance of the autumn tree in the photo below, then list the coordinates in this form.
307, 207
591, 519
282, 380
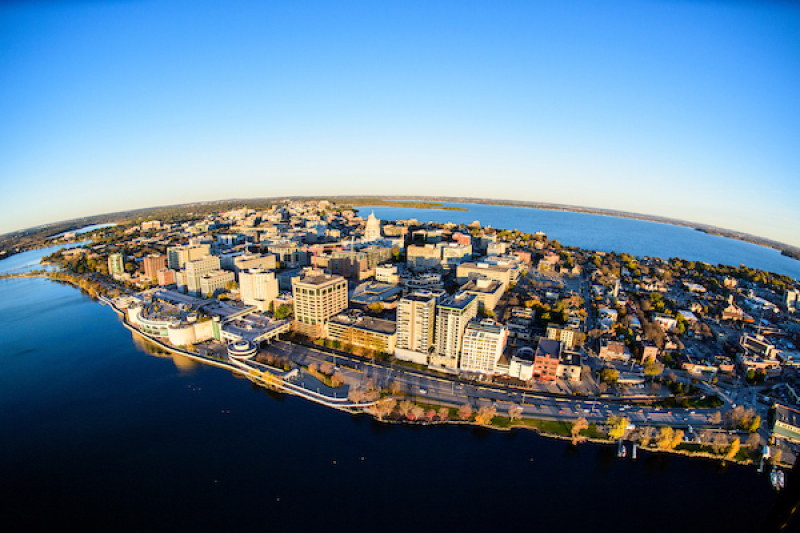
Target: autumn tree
405, 407
716, 418
444, 413
578, 426
416, 413
755, 424
465, 412
515, 412
617, 426
733, 448
485, 415
383, 407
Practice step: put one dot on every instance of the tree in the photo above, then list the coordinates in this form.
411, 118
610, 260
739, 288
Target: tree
375, 307
755, 424
653, 369
465, 412
719, 442
578, 426
384, 407
515, 412
733, 449
405, 407
753, 441
356, 394
609, 375
617, 426
668, 438
284, 311
485, 415
444, 413
716, 418
416, 413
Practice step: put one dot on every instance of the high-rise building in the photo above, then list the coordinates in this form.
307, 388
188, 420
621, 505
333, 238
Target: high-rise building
152, 264
416, 315
452, 317
792, 297
482, 346
317, 297
116, 265
197, 269
258, 287
178, 256
564, 335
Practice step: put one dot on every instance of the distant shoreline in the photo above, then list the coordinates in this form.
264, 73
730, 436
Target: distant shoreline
785, 249
23, 240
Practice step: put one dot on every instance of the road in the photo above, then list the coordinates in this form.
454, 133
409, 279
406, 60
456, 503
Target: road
440, 390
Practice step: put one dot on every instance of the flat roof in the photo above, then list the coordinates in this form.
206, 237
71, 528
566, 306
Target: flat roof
377, 325
458, 301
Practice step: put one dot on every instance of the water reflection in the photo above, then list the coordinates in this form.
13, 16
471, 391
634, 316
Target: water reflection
183, 364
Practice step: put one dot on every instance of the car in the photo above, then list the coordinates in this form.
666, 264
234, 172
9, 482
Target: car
423, 391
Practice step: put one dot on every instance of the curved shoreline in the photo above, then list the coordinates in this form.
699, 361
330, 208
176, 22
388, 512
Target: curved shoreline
320, 399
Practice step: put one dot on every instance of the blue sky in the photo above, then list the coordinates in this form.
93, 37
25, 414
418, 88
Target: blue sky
675, 108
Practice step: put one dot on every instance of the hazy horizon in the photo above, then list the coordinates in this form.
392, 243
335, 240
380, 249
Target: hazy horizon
684, 110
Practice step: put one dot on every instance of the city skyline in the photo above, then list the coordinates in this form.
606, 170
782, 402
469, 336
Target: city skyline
682, 110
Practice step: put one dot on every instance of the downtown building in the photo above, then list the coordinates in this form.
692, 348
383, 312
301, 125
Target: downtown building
452, 317
317, 297
482, 346
152, 264
116, 265
178, 256
416, 315
258, 287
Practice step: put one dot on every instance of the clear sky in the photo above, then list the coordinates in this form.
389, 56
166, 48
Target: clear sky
689, 109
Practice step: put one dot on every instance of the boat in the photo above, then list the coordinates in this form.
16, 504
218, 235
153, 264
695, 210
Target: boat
777, 478
633, 452
621, 450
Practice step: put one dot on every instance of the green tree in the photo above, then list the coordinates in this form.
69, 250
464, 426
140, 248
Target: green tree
284, 311
609, 375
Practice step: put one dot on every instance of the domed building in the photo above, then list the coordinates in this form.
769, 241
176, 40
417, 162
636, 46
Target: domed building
373, 230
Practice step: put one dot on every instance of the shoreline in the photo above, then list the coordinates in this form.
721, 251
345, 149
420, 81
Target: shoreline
788, 250
278, 383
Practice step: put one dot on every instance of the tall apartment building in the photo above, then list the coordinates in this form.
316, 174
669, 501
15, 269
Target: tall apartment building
317, 297
416, 315
178, 256
482, 346
194, 270
258, 287
116, 265
152, 264
423, 257
452, 317
792, 297
546, 359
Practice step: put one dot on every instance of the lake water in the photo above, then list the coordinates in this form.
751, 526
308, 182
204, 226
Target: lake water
30, 260
604, 233
85, 229
100, 434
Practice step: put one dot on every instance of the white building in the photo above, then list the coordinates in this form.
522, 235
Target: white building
215, 282
482, 346
373, 229
416, 314
195, 270
258, 287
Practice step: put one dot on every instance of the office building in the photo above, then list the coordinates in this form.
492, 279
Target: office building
317, 297
195, 270
258, 287
152, 264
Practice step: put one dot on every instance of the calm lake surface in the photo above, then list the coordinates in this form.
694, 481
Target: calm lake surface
99, 433
596, 232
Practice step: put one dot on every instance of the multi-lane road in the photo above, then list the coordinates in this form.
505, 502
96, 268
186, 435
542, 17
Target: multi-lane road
441, 390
